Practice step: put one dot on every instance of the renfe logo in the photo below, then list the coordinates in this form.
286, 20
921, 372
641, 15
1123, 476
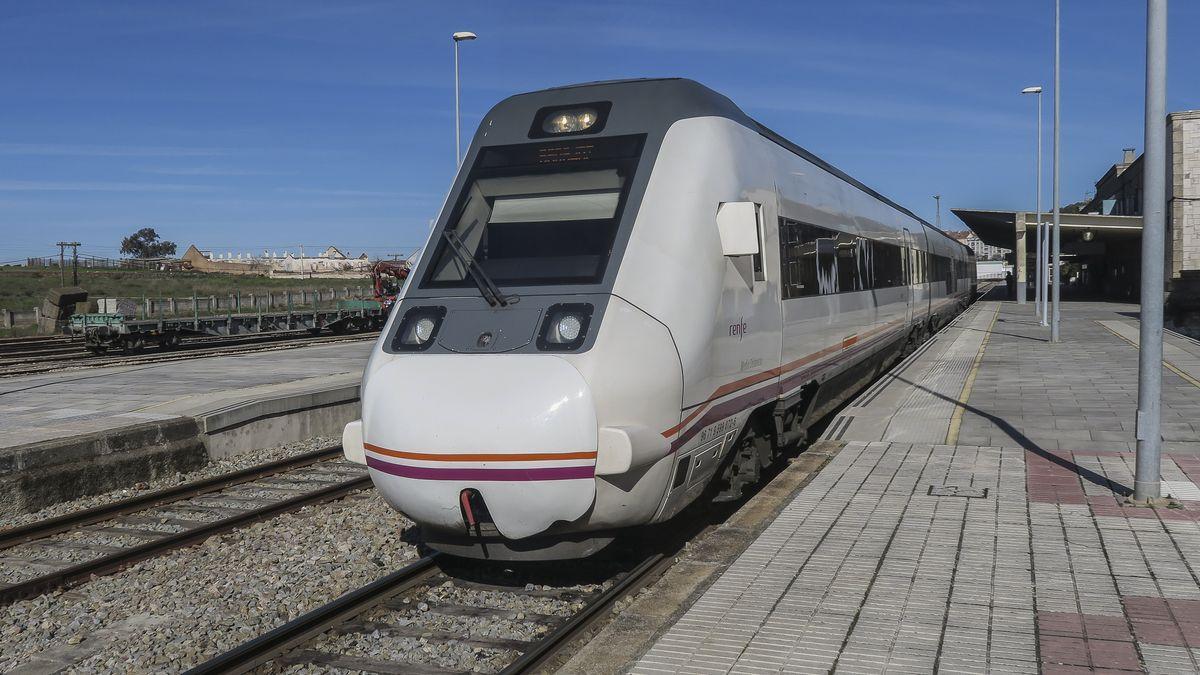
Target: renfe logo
738, 329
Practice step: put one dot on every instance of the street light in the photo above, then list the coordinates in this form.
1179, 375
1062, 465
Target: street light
938, 219
458, 37
1039, 297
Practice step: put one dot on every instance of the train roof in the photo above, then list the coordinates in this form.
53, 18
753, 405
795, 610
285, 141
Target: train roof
667, 100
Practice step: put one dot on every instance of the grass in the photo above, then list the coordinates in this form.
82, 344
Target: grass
23, 288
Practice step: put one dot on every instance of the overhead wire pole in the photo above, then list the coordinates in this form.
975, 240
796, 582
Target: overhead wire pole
1147, 481
1055, 274
62, 264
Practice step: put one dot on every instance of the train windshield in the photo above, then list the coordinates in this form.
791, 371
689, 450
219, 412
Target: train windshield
540, 213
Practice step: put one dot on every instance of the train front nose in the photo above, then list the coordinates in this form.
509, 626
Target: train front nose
520, 429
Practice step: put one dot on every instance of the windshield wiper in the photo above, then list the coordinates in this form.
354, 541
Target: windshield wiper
487, 288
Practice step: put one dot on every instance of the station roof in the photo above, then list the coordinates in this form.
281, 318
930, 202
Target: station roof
998, 228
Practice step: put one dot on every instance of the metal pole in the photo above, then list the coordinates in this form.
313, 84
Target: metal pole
1040, 295
457, 126
1147, 483
1045, 277
938, 218
1055, 273
62, 266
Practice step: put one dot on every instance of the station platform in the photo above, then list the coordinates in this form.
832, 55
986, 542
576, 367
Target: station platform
973, 520
81, 431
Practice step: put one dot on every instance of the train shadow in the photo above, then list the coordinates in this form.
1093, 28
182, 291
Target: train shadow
1028, 444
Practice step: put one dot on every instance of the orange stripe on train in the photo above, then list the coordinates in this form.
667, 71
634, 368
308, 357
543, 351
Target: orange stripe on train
480, 457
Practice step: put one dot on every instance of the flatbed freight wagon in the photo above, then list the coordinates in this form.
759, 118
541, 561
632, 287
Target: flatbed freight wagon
102, 332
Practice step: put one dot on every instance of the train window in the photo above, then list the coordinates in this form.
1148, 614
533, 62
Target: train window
797, 259
887, 265
818, 261
539, 213
759, 273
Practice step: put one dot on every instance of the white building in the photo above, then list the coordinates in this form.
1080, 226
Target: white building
982, 251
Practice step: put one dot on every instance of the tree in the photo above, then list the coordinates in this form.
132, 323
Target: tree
145, 243
1077, 207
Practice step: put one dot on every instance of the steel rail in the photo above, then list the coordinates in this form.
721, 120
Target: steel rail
303, 629
279, 641
51, 526
106, 564
85, 361
564, 635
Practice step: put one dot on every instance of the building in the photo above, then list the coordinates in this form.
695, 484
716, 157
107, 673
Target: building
330, 262
1101, 246
982, 249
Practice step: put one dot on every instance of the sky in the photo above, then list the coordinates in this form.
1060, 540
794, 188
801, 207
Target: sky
271, 124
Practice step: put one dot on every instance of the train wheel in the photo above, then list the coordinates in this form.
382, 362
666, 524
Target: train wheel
170, 340
134, 344
753, 453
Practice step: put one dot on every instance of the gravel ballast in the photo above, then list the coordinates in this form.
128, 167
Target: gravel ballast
200, 601
172, 612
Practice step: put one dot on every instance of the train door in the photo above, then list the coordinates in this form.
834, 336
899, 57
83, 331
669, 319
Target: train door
909, 298
747, 340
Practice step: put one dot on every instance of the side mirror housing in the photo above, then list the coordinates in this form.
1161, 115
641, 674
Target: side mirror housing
738, 224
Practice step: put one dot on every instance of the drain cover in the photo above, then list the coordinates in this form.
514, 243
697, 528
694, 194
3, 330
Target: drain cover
956, 491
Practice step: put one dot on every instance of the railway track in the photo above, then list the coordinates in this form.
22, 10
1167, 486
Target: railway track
59, 552
54, 359
439, 614
37, 345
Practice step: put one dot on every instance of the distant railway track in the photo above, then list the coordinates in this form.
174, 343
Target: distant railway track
436, 600
43, 359
60, 552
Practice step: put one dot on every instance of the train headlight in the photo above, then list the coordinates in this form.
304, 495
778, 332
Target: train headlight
568, 327
565, 327
423, 329
569, 121
582, 118
418, 329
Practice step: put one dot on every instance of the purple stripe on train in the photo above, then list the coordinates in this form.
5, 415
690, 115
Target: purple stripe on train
438, 473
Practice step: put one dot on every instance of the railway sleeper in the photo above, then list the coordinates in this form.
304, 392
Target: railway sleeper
430, 634
34, 564
127, 531
564, 594
160, 520
358, 663
477, 612
54, 545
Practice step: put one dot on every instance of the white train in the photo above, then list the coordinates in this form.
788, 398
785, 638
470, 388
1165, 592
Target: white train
634, 293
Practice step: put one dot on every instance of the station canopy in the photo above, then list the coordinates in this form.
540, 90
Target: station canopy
999, 228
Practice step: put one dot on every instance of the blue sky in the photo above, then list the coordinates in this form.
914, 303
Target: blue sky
245, 126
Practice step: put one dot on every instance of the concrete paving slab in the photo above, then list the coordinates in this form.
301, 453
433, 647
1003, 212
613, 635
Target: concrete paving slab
69, 434
870, 570
40, 407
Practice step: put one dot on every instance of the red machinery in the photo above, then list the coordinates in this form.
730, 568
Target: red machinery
388, 277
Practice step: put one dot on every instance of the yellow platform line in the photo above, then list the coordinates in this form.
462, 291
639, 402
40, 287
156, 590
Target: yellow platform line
956, 418
1170, 366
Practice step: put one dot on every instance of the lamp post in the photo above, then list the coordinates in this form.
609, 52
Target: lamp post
1039, 297
1055, 273
1147, 483
938, 218
458, 37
